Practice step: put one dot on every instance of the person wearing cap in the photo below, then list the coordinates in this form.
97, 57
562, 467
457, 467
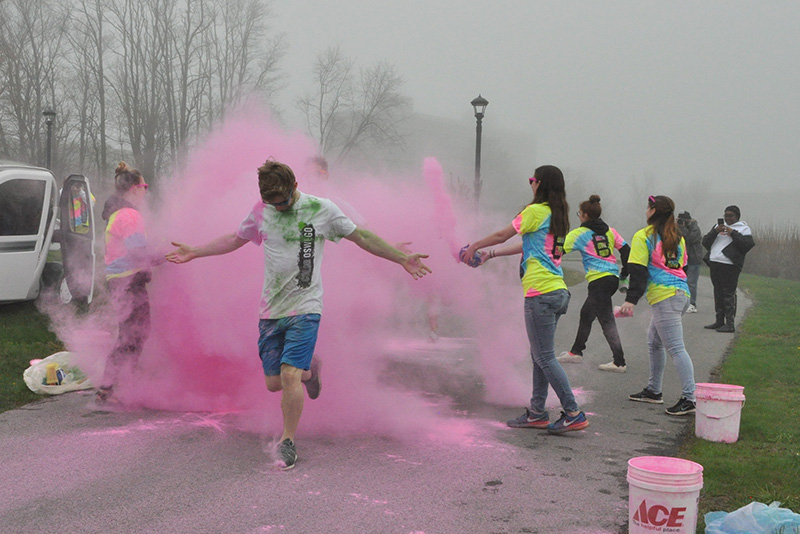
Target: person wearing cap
690, 231
727, 243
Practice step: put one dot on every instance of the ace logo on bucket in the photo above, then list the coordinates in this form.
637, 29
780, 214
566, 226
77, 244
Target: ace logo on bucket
659, 518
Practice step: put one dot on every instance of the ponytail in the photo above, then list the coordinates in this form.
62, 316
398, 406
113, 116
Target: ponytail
663, 221
125, 177
591, 208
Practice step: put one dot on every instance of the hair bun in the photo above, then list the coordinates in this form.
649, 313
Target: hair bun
594, 199
122, 167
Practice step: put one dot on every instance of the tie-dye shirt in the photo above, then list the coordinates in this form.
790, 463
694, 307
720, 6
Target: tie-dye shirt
293, 244
664, 276
126, 243
541, 252
597, 251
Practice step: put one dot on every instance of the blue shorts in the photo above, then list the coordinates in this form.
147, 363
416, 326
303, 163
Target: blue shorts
288, 340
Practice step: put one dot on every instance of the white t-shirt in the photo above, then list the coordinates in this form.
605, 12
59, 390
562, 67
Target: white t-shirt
293, 244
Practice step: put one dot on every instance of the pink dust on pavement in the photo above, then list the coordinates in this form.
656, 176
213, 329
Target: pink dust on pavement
202, 355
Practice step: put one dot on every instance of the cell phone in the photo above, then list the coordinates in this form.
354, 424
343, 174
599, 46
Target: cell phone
720, 222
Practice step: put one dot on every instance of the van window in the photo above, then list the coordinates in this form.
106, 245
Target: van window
21, 204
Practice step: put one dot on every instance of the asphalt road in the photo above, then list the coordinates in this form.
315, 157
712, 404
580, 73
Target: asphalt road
65, 468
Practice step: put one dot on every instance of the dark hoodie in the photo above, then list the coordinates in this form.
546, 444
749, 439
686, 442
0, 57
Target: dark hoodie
113, 204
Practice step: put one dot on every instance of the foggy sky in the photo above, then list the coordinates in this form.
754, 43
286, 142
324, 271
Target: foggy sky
680, 91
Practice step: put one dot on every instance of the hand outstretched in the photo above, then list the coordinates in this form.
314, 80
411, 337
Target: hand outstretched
182, 254
414, 266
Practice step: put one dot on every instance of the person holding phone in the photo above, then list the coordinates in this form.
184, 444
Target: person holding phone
727, 244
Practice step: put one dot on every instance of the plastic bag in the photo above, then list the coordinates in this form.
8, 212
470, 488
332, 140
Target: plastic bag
72, 378
755, 518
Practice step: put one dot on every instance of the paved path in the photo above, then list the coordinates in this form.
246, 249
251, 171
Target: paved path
67, 469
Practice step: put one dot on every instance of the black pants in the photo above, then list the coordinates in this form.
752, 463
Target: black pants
598, 304
129, 296
725, 279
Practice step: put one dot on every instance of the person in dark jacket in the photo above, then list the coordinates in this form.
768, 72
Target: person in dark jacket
727, 245
690, 231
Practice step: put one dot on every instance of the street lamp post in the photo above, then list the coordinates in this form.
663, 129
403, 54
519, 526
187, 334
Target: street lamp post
479, 105
49, 116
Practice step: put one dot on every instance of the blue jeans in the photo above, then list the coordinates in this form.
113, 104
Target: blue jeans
541, 316
666, 332
692, 275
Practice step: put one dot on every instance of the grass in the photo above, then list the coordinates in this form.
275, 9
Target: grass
764, 465
782, 264
24, 335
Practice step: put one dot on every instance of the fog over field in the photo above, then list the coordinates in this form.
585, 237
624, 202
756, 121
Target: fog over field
696, 100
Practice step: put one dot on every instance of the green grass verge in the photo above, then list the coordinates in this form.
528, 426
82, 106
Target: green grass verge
24, 335
764, 465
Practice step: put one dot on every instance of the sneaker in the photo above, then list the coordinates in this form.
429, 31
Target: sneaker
568, 357
287, 454
314, 383
102, 395
682, 407
567, 424
612, 367
530, 420
647, 396
691, 309
713, 326
726, 328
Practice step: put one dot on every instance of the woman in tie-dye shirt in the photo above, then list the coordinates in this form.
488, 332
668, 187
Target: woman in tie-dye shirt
543, 224
596, 241
658, 254
128, 265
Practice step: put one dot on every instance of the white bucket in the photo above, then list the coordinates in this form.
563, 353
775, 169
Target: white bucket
719, 410
663, 494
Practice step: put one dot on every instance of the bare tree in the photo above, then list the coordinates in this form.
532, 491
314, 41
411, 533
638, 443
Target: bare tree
244, 53
30, 42
88, 39
136, 78
379, 109
345, 114
139, 79
333, 78
183, 80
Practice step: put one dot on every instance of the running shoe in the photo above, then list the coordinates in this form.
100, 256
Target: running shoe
691, 309
612, 367
647, 396
569, 357
103, 395
567, 424
530, 420
287, 454
683, 407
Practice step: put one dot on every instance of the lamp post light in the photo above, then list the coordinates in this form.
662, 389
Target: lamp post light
49, 117
479, 105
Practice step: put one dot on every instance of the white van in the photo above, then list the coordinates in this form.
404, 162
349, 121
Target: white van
30, 208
